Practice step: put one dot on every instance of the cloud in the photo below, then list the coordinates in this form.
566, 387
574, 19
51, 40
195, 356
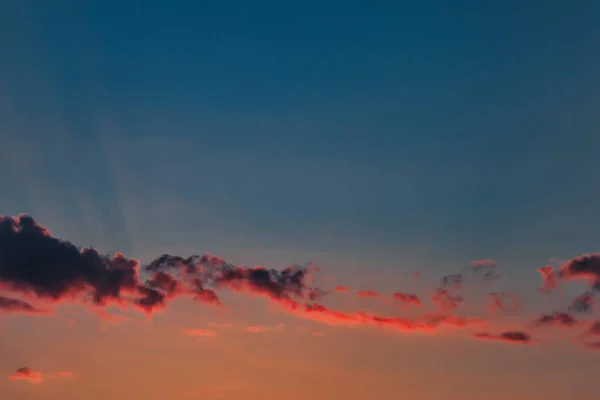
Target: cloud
583, 303
549, 279
367, 293
60, 374
594, 331
407, 298
557, 319
199, 332
37, 265
484, 264
583, 267
35, 262
445, 300
504, 301
11, 305
166, 283
27, 374
507, 336
264, 329
452, 281
423, 323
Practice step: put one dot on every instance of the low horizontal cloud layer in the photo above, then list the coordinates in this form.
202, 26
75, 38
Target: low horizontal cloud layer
44, 269
34, 377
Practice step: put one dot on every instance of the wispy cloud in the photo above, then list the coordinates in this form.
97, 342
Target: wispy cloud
264, 329
199, 332
507, 336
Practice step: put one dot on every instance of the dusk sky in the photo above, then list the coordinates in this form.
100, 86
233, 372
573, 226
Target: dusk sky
363, 150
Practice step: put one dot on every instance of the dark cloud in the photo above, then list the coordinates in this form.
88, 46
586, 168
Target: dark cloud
582, 267
452, 281
37, 265
557, 319
507, 336
407, 298
203, 295
192, 264
583, 303
281, 286
34, 262
445, 300
165, 282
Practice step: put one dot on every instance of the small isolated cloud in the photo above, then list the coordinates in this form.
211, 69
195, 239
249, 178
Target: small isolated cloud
507, 336
406, 298
264, 329
367, 293
452, 281
199, 332
341, 289
484, 264
27, 374
556, 318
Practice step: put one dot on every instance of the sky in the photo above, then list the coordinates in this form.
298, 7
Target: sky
371, 147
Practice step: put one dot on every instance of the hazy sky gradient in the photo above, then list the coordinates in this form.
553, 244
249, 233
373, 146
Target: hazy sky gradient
375, 138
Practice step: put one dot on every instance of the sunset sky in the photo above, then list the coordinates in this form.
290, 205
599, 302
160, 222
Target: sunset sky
363, 150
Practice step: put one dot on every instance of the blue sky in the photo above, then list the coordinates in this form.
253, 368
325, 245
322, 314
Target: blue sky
430, 133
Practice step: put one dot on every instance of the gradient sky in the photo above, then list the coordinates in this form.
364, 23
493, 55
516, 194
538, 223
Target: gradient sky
374, 138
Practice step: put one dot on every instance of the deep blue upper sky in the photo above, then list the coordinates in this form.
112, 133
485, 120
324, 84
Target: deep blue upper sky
461, 129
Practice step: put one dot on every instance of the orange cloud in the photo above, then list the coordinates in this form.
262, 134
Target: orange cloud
27, 374
424, 323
